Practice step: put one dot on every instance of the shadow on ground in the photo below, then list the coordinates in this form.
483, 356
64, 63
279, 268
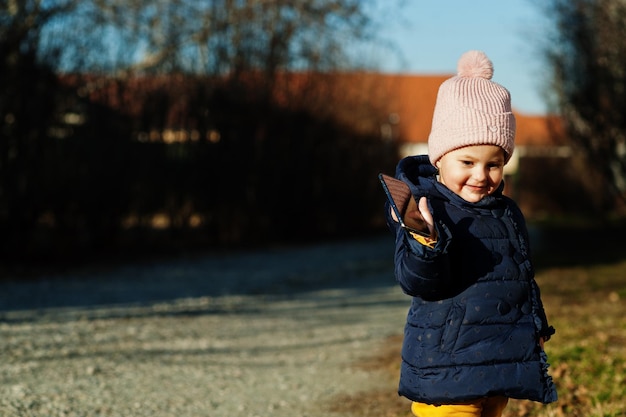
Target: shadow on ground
348, 264
357, 264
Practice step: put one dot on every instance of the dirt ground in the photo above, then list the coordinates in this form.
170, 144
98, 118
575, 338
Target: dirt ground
277, 332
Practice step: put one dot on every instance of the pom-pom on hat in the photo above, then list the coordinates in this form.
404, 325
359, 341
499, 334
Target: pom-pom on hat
472, 110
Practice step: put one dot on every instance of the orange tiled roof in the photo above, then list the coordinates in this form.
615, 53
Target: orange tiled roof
410, 99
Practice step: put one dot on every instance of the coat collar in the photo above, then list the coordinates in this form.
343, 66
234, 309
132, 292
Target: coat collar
421, 175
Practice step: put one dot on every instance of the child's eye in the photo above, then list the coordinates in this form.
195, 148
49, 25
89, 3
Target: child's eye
466, 163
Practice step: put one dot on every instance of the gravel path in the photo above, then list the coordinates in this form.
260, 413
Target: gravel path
267, 333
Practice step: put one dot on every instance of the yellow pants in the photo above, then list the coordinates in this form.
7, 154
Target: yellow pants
485, 407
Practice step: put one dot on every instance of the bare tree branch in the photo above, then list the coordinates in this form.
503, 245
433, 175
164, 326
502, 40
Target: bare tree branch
589, 79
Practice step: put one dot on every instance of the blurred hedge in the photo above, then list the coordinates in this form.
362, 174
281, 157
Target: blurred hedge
254, 174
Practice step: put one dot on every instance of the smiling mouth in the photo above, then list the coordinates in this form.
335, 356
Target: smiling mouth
477, 188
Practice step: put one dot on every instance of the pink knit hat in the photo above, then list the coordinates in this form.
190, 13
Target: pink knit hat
472, 110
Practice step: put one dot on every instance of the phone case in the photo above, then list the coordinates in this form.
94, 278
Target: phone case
400, 193
399, 190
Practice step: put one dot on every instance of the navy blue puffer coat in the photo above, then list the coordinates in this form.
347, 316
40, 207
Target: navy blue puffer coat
476, 316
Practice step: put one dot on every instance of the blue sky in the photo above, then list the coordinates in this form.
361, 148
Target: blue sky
432, 35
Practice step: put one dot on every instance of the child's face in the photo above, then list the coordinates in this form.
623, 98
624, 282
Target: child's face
472, 172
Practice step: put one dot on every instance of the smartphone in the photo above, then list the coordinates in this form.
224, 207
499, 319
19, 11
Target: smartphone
398, 193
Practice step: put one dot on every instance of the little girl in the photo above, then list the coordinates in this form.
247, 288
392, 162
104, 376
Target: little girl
475, 331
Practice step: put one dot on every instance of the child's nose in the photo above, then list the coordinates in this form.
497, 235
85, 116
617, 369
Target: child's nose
480, 174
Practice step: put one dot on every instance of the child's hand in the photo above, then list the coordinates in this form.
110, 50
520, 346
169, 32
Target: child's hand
419, 217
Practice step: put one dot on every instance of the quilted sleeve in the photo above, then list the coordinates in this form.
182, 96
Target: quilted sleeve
421, 270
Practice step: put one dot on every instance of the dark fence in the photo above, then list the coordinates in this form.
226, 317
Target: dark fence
84, 176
